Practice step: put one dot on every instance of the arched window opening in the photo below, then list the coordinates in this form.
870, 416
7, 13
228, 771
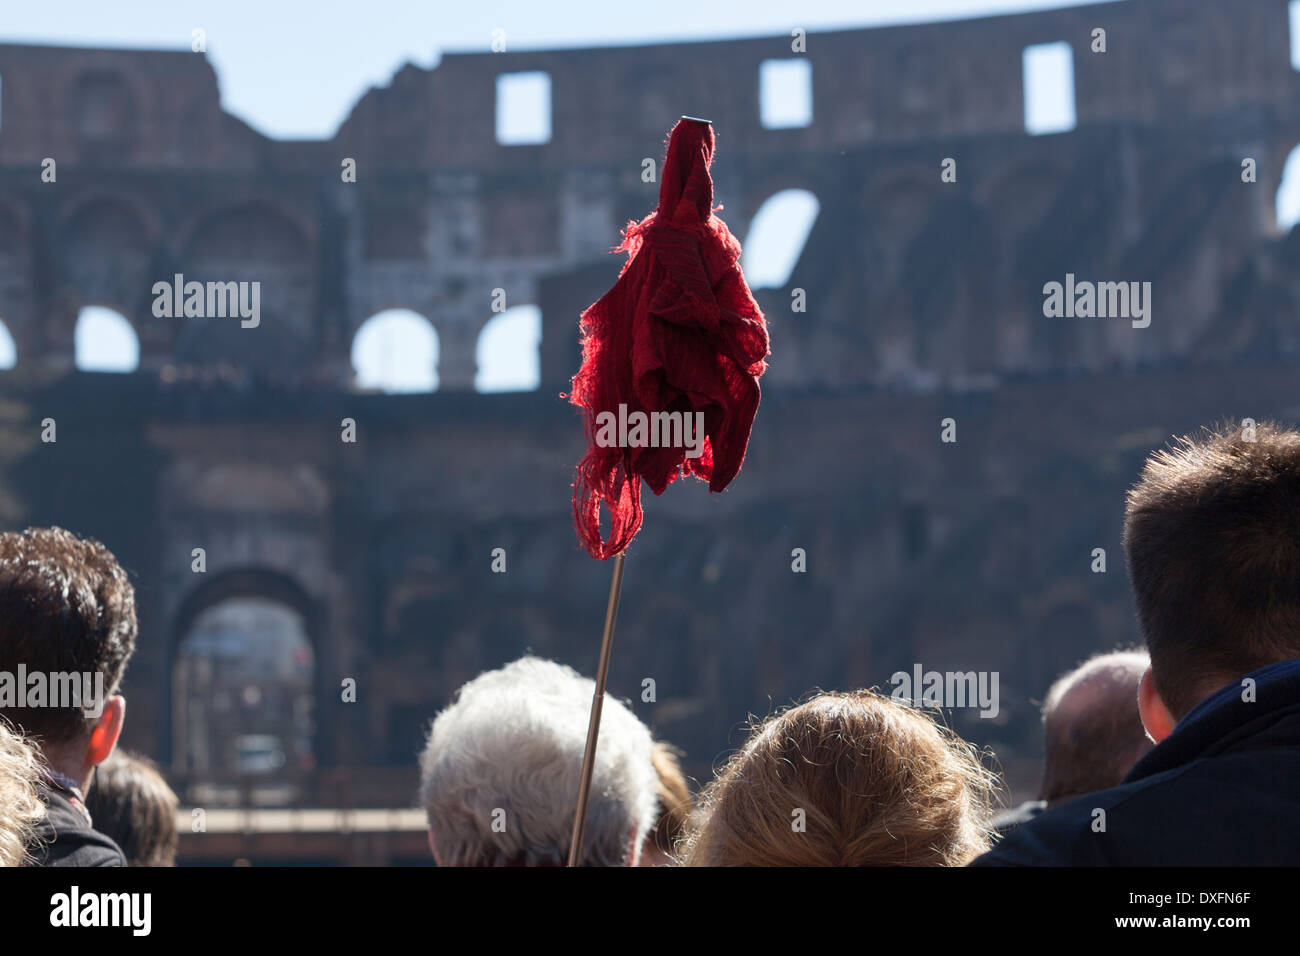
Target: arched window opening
1287, 203
508, 351
8, 350
777, 237
396, 351
104, 341
243, 694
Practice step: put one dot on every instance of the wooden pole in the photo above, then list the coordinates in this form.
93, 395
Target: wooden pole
597, 702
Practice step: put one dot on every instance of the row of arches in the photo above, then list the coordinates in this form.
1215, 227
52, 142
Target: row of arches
252, 230
397, 350
104, 341
780, 227
393, 351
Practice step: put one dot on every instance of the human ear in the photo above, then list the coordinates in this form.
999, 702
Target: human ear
1156, 718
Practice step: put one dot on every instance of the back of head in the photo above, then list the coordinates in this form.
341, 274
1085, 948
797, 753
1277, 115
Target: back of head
132, 803
851, 779
1212, 537
67, 611
1092, 728
20, 803
499, 775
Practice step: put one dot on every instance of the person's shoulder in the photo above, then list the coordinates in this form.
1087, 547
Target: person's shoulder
1008, 820
79, 848
1072, 834
64, 838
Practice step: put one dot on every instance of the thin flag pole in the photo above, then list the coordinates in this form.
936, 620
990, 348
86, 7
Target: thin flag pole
597, 702
602, 673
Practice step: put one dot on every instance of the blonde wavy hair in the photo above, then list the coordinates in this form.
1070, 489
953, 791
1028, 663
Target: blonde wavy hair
21, 807
845, 779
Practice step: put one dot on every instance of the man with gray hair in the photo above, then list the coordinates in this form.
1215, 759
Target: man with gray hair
1093, 732
499, 775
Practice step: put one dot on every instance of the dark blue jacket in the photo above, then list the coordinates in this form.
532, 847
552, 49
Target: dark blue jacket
64, 837
1222, 790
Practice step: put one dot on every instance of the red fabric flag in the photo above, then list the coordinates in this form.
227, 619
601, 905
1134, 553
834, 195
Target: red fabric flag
679, 332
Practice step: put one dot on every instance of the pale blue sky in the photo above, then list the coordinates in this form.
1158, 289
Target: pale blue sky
293, 68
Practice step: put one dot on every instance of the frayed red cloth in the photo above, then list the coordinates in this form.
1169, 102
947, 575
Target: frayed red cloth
679, 332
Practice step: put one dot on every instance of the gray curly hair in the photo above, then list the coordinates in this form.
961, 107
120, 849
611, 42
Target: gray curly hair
499, 775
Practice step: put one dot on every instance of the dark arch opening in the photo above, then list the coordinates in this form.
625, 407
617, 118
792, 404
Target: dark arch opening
247, 670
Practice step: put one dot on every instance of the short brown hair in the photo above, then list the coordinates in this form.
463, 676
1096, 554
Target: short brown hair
1212, 537
65, 606
879, 782
131, 802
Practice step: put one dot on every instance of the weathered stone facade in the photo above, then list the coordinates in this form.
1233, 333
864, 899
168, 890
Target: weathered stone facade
924, 302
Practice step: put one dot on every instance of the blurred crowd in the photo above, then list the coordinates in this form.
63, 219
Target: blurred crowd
1183, 752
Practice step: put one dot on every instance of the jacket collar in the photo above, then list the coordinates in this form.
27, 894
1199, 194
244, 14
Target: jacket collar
62, 783
1224, 718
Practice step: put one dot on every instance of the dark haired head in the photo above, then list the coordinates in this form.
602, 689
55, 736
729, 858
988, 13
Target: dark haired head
66, 606
131, 802
1212, 537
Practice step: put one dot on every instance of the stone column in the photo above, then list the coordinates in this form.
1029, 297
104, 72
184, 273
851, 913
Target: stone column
457, 361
